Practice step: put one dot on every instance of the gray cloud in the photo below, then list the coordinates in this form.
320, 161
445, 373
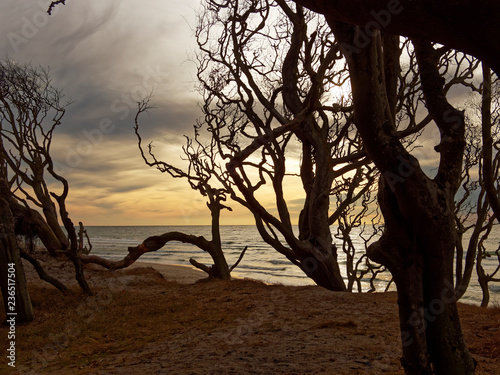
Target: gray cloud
105, 56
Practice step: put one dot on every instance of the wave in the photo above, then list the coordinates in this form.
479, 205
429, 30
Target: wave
260, 262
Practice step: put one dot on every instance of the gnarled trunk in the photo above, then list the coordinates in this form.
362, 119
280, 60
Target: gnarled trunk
420, 236
15, 294
29, 222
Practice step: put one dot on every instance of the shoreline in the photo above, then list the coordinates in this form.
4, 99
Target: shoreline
188, 274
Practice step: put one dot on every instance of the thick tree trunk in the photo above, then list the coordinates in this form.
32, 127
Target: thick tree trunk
15, 294
319, 259
419, 238
412, 322
488, 176
220, 268
397, 250
30, 222
447, 348
314, 251
420, 261
323, 268
446, 345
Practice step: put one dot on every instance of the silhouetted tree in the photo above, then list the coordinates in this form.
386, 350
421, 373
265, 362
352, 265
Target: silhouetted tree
256, 102
418, 242
201, 172
261, 95
474, 206
30, 110
272, 79
265, 69
13, 285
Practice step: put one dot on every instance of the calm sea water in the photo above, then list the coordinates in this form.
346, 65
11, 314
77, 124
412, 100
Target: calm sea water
261, 262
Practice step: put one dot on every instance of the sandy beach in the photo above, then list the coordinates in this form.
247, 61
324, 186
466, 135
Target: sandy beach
177, 273
162, 319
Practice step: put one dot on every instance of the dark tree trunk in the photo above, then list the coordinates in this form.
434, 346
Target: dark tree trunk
29, 222
397, 250
220, 268
12, 278
420, 236
488, 176
315, 252
447, 348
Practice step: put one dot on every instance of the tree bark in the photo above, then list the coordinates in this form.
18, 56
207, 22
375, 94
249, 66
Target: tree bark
419, 237
30, 222
488, 179
50, 213
15, 293
397, 250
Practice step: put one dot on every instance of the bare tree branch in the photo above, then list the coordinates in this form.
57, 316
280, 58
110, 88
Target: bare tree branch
53, 4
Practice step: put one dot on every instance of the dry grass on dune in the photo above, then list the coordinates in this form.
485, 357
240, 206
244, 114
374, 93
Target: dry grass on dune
139, 322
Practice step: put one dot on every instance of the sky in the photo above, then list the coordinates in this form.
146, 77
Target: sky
104, 56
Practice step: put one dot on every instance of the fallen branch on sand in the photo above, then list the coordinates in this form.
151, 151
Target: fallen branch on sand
42, 273
218, 270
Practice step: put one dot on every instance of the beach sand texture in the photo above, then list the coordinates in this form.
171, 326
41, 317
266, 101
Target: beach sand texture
159, 319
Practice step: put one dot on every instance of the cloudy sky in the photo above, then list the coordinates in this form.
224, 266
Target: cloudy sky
105, 55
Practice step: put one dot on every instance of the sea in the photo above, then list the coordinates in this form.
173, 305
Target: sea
260, 262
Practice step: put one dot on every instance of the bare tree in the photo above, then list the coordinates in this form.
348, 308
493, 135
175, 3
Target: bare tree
202, 167
13, 285
259, 86
28, 102
272, 78
256, 106
419, 237
30, 110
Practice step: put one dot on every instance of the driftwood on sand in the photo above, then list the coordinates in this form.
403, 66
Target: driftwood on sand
155, 243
